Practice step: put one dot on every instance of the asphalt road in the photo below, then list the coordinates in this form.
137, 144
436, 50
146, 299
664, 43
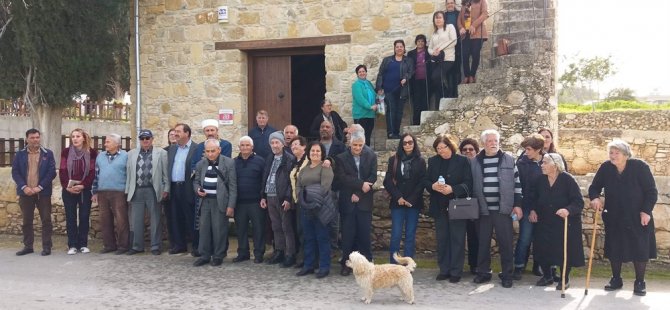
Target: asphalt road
97, 281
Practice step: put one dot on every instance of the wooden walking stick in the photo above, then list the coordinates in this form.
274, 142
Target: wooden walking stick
593, 246
565, 255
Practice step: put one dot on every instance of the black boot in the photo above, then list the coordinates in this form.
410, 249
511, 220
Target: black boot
516, 275
277, 258
615, 284
289, 261
640, 288
537, 270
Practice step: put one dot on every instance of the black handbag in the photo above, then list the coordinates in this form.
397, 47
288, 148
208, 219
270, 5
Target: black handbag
464, 208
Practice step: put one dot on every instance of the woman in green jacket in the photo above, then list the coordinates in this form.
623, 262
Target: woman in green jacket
364, 107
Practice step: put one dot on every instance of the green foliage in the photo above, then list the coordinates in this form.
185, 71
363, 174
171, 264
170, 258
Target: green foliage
610, 106
67, 45
587, 71
625, 94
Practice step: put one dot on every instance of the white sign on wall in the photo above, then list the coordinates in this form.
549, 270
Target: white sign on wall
226, 116
223, 14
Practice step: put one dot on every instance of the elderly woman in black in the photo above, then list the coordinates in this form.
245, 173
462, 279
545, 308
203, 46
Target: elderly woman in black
393, 83
406, 170
420, 57
556, 196
630, 196
448, 176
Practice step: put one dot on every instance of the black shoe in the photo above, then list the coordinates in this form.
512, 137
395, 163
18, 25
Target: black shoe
322, 274
454, 279
240, 259
46, 252
482, 278
615, 284
516, 275
217, 262
304, 272
105, 251
289, 261
156, 252
640, 288
544, 281
120, 252
24, 251
277, 257
473, 271
346, 271
258, 260
133, 252
175, 251
507, 283
201, 262
442, 277
195, 253
299, 265
537, 270
554, 273
560, 288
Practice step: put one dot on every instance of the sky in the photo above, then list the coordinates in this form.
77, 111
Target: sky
635, 34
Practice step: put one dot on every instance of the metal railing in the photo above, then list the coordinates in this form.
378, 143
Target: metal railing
106, 111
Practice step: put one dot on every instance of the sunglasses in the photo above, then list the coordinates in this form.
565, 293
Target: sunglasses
145, 138
410, 142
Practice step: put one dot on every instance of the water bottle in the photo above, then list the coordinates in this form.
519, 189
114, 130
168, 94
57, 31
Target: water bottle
440, 180
514, 217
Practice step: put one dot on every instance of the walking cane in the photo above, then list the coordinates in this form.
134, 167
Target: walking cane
565, 255
593, 246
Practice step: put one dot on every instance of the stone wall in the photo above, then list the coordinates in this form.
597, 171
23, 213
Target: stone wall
647, 120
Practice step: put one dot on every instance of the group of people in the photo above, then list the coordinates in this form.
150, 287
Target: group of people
431, 71
317, 196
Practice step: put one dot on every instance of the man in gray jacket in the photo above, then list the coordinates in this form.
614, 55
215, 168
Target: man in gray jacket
215, 183
496, 186
147, 184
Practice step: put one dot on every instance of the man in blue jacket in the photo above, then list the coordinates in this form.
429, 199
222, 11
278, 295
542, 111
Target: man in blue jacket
33, 170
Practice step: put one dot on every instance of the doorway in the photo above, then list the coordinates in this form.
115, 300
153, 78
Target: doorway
289, 84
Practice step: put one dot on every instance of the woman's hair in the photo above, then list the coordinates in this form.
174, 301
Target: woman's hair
621, 146
361, 66
401, 41
470, 141
444, 27
302, 140
313, 144
552, 147
534, 141
447, 142
557, 160
420, 37
415, 150
86, 144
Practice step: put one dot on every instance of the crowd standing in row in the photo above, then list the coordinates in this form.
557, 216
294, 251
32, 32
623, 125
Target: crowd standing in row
318, 197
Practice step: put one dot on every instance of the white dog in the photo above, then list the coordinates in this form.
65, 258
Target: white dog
371, 277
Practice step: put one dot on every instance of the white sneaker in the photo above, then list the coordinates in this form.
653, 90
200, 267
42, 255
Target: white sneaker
84, 250
72, 251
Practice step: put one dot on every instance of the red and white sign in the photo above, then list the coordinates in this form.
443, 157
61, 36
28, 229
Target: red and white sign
226, 116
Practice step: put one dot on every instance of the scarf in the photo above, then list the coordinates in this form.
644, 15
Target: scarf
406, 164
75, 154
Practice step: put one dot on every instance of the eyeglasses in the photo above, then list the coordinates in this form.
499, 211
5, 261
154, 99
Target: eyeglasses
468, 149
410, 142
145, 138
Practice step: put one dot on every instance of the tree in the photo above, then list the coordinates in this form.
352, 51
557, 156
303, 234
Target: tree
625, 94
57, 49
588, 71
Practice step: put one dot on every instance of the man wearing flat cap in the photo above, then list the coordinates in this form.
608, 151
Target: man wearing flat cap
276, 196
147, 184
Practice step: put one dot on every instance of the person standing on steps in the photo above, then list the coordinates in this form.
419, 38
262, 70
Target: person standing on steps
363, 104
443, 54
454, 75
419, 81
393, 82
473, 33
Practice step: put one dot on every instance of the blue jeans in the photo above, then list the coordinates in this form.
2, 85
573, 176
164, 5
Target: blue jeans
317, 236
77, 233
394, 112
409, 218
523, 243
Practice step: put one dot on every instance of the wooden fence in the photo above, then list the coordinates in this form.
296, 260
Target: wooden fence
107, 111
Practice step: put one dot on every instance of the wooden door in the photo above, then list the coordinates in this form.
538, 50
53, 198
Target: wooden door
270, 89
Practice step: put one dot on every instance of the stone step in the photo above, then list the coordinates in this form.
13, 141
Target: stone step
448, 103
529, 47
503, 27
517, 36
528, 4
523, 14
427, 115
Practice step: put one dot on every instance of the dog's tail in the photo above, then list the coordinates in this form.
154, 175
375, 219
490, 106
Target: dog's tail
408, 262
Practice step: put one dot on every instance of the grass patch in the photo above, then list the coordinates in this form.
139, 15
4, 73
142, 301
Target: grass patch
619, 105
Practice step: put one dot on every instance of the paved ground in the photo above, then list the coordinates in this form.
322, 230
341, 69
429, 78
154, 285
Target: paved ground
97, 281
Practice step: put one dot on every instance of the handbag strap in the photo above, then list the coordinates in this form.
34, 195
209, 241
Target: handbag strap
395, 169
466, 190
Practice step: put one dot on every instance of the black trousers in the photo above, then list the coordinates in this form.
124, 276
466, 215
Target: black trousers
502, 225
473, 243
419, 92
182, 217
450, 244
356, 229
368, 125
245, 213
439, 81
472, 49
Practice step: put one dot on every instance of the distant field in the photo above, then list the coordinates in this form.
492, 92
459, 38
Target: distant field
618, 105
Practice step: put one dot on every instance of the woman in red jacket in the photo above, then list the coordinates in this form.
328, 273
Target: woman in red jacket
473, 33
